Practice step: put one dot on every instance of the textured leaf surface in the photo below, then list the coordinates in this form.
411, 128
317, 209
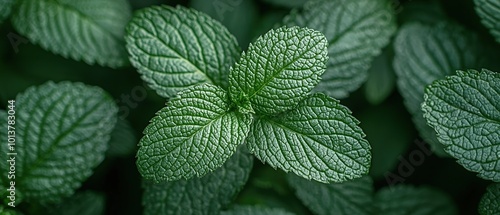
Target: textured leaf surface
409, 200
62, 133
279, 69
206, 195
464, 110
5, 9
489, 11
195, 134
490, 202
84, 203
356, 31
174, 48
123, 141
425, 54
91, 31
255, 210
350, 197
319, 140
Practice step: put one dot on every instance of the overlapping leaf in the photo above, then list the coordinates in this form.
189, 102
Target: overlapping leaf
205, 195
194, 135
464, 110
424, 54
91, 31
62, 133
356, 31
175, 48
319, 140
489, 11
278, 70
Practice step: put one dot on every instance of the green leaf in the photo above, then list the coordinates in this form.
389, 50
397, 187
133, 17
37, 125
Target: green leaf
464, 111
489, 11
490, 202
194, 135
175, 48
350, 197
62, 133
319, 139
356, 31
409, 200
279, 69
5, 9
82, 203
206, 195
123, 140
427, 53
255, 210
381, 78
91, 31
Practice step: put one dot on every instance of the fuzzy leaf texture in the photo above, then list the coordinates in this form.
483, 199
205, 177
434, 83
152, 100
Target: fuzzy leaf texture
424, 54
278, 70
91, 31
83, 203
5, 9
489, 12
409, 200
464, 110
198, 196
62, 133
255, 210
175, 48
356, 31
194, 135
350, 197
319, 139
490, 202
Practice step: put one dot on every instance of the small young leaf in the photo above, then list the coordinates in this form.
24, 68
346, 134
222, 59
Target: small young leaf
91, 31
490, 202
175, 48
464, 111
5, 9
424, 54
356, 31
194, 135
350, 197
62, 133
206, 195
404, 199
255, 210
279, 69
319, 140
123, 140
83, 203
489, 11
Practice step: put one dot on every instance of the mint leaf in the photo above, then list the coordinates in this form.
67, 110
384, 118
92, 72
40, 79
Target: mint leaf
62, 133
278, 70
464, 111
91, 31
427, 53
489, 11
5, 9
350, 197
255, 210
194, 135
319, 139
381, 78
174, 48
356, 31
206, 195
123, 140
82, 203
405, 199
490, 202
